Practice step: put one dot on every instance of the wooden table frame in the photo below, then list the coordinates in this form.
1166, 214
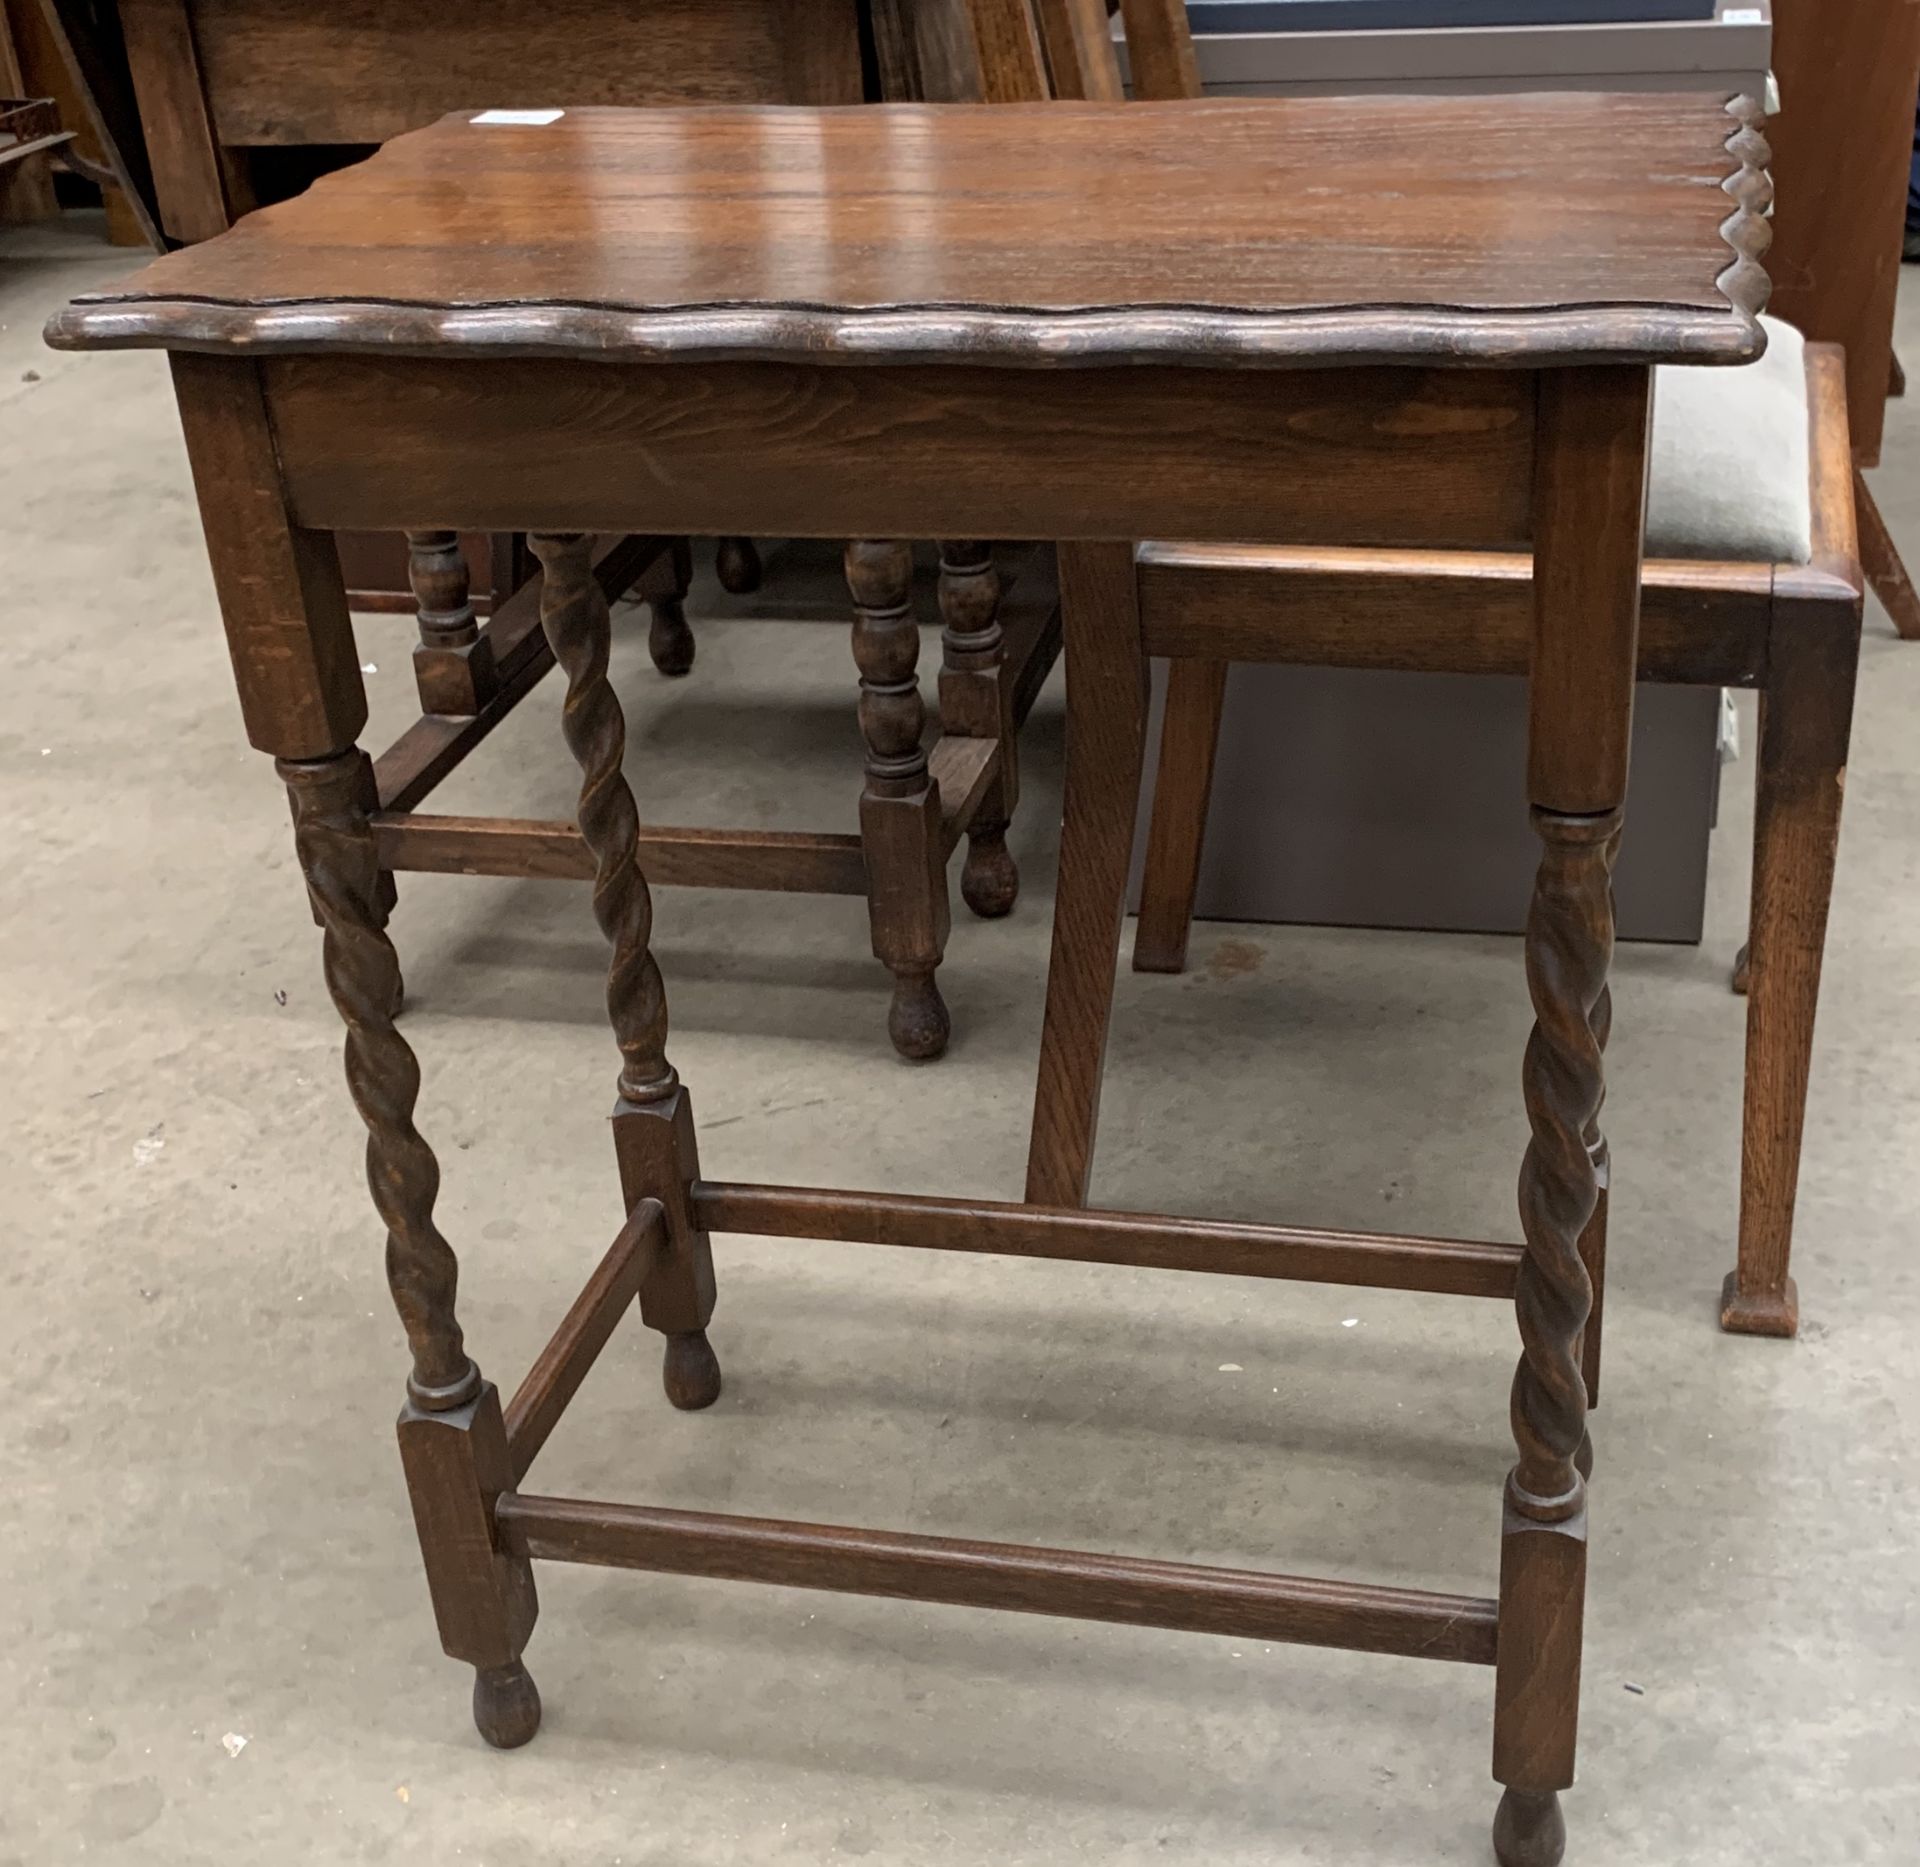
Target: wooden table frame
308, 416
467, 1457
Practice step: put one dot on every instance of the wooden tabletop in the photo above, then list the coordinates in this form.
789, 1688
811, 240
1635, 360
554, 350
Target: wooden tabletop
1230, 231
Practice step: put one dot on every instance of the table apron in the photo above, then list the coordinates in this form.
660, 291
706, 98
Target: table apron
1400, 456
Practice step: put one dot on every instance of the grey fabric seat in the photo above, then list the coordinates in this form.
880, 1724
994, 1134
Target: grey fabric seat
1730, 469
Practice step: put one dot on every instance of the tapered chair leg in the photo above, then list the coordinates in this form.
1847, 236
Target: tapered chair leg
1182, 790
1885, 568
1106, 746
1806, 720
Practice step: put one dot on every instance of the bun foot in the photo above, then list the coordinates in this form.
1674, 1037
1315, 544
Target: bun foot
669, 637
506, 1705
1767, 1312
1743, 968
691, 1374
917, 1019
1529, 1830
737, 564
989, 882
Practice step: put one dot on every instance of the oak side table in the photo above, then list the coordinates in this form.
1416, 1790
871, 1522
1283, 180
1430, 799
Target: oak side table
1355, 321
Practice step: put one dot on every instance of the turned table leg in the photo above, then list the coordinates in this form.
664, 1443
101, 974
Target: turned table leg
284, 605
976, 702
453, 1443
652, 1118
453, 661
900, 805
1589, 508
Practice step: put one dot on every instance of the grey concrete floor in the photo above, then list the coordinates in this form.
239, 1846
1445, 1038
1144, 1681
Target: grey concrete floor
206, 1537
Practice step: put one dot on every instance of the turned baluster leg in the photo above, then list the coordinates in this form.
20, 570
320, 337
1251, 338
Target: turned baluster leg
652, 1118
737, 564
453, 661
284, 606
900, 805
1589, 506
976, 702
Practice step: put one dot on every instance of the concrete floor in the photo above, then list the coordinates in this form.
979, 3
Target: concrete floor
206, 1536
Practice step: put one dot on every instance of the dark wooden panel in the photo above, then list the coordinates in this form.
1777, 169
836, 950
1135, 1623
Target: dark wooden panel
1213, 231
89, 39
1005, 1575
1375, 456
361, 71
1841, 147
173, 114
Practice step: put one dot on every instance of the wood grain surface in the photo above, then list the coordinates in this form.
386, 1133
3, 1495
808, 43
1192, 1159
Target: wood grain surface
362, 71
1456, 229
1372, 456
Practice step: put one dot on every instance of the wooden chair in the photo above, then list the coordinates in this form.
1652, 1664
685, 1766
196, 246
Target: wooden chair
1752, 580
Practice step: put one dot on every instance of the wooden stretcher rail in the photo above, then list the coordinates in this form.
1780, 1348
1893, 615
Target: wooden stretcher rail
792, 861
1445, 1266
588, 1326
963, 769
1071, 1583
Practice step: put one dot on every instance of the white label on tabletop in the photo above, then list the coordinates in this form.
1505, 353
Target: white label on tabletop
518, 116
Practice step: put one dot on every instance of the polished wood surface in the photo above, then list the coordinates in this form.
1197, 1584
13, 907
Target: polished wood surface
1220, 231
